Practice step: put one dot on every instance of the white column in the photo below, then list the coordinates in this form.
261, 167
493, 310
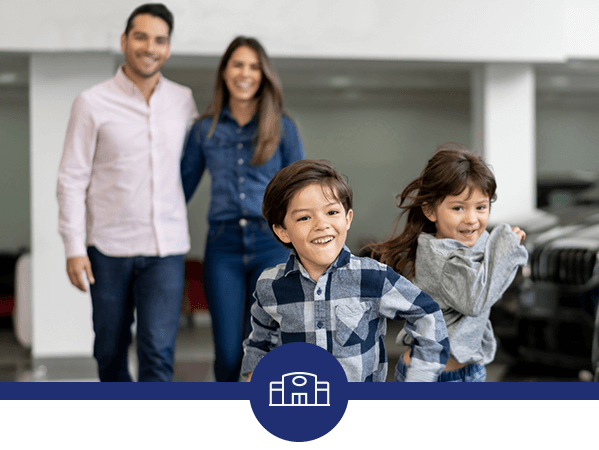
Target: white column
504, 131
61, 315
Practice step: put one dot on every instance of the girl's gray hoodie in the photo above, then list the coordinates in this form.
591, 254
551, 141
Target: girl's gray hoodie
466, 282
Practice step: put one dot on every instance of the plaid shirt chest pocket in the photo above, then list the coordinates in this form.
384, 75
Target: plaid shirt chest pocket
353, 322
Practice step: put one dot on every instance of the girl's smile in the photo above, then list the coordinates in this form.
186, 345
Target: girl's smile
462, 217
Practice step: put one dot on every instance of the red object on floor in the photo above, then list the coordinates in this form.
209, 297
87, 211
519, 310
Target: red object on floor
194, 300
7, 305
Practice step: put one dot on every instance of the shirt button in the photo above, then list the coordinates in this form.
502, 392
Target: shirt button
242, 196
242, 180
319, 291
319, 324
240, 161
240, 145
243, 222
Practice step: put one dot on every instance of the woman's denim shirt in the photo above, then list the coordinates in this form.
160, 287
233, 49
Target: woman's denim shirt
237, 188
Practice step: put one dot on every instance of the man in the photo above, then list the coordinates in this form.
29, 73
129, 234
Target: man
122, 209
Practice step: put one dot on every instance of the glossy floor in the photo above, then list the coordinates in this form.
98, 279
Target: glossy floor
194, 356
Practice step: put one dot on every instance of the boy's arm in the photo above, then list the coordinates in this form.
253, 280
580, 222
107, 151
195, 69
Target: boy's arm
473, 282
424, 323
263, 338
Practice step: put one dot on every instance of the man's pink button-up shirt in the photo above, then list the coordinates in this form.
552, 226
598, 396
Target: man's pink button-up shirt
119, 182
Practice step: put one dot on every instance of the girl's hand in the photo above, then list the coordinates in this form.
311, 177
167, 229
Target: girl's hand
520, 233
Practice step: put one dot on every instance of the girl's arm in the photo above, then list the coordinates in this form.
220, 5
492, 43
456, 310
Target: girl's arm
472, 282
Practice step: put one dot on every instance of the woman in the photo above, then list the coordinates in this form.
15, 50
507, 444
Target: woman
244, 137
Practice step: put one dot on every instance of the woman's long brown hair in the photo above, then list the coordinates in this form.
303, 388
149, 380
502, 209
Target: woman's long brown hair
450, 171
270, 101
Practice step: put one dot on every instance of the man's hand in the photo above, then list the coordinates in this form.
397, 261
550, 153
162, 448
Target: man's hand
75, 268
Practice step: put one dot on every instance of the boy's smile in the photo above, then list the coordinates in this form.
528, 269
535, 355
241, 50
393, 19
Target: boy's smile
461, 217
316, 225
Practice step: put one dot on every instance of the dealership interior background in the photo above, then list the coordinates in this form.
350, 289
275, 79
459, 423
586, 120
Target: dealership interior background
374, 87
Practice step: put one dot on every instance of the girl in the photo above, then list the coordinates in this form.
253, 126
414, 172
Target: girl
244, 137
447, 252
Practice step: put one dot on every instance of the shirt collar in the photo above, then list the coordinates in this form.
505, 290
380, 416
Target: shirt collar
129, 86
225, 113
293, 264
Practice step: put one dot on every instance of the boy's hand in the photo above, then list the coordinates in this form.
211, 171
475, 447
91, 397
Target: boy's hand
520, 233
249, 377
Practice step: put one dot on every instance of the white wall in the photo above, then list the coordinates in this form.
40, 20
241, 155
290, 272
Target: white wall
520, 30
61, 314
508, 129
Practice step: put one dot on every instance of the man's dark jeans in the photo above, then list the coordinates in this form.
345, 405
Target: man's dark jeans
153, 288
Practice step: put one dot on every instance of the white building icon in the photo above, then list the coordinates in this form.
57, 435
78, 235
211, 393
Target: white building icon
299, 389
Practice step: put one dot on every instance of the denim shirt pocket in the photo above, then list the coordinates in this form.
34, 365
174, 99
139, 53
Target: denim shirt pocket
352, 322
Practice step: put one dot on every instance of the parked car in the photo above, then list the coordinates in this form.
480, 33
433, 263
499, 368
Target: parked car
549, 315
595, 348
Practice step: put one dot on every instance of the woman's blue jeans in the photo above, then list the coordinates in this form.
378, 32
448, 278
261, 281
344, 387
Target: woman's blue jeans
153, 287
236, 254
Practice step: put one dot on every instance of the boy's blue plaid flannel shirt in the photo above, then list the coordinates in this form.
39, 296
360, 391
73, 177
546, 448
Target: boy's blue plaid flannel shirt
344, 313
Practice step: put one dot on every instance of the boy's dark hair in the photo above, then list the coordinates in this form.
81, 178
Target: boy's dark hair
291, 179
156, 10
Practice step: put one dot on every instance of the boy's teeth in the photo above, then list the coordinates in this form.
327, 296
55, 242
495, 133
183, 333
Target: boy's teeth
323, 240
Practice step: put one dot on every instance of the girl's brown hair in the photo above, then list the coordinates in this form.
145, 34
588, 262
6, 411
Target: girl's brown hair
450, 171
270, 100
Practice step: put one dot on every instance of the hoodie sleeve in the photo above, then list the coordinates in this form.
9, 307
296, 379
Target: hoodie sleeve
473, 281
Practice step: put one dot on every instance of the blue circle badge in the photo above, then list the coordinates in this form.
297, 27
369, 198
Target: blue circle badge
299, 392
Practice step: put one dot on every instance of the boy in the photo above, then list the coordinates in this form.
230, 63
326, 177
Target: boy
326, 296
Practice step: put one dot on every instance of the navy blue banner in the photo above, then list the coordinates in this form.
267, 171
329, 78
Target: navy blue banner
353, 391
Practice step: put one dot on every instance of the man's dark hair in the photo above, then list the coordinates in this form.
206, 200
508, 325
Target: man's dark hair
156, 10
